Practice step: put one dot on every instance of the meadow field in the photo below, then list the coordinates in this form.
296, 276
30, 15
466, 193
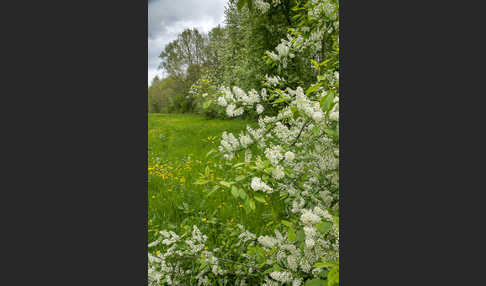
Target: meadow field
178, 145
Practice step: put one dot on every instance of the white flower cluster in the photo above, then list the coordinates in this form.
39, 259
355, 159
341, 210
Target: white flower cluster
283, 277
232, 111
283, 51
259, 108
278, 173
289, 156
272, 80
228, 142
267, 241
170, 237
245, 140
274, 154
245, 235
229, 99
222, 101
258, 185
309, 217
261, 5
283, 133
310, 108
196, 243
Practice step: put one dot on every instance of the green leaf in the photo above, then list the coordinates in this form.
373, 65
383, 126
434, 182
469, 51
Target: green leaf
323, 264
272, 251
315, 282
336, 220
279, 100
313, 88
226, 184
252, 204
326, 102
324, 62
206, 104
269, 270
234, 192
291, 235
294, 109
210, 152
241, 4
240, 177
333, 276
286, 223
324, 227
211, 192
295, 17
242, 194
260, 251
316, 65
300, 235
247, 206
259, 198
201, 182
332, 133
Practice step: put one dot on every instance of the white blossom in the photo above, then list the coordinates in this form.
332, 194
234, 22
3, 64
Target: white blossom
259, 108
258, 185
222, 101
289, 156
278, 173
308, 217
283, 277
267, 241
261, 5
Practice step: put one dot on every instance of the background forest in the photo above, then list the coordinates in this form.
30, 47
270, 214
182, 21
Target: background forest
231, 55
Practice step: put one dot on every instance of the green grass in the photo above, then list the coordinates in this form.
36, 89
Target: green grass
177, 148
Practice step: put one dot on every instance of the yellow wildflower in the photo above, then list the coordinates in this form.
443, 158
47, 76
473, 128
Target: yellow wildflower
157, 252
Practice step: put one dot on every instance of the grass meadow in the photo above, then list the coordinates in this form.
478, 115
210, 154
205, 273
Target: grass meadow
178, 145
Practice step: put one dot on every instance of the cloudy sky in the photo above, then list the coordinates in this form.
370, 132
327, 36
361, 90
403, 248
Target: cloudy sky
167, 18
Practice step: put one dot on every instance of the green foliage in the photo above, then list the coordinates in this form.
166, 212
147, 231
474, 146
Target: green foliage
290, 203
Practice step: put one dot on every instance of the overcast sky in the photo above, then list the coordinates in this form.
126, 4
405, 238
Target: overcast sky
167, 18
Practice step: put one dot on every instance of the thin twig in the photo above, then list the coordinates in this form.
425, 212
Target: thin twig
300, 132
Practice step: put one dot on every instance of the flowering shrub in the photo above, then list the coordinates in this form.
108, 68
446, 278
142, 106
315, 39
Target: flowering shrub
291, 157
205, 94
